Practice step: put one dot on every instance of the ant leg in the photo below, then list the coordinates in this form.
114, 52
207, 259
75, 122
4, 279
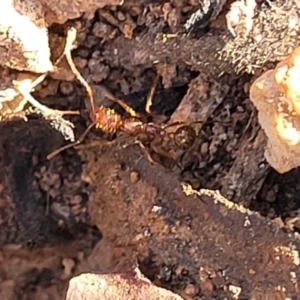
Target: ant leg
126, 107
87, 87
181, 123
102, 143
67, 53
129, 109
151, 95
79, 141
156, 146
94, 144
146, 152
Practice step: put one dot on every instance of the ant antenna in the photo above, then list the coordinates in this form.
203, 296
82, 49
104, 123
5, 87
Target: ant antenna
181, 123
71, 37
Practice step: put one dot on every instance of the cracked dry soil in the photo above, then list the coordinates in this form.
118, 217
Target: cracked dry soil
105, 209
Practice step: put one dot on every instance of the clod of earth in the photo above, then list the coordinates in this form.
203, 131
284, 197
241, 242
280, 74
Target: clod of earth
271, 38
211, 244
276, 96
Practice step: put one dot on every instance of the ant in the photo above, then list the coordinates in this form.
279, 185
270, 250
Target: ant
109, 121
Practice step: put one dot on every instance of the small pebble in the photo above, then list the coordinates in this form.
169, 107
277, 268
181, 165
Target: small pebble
1, 188
240, 108
97, 55
179, 270
68, 265
121, 17
50, 89
76, 209
12, 247
66, 88
80, 63
3, 202
1, 257
251, 272
75, 200
82, 53
207, 285
271, 196
247, 87
60, 223
134, 176
80, 255
190, 290
204, 148
43, 169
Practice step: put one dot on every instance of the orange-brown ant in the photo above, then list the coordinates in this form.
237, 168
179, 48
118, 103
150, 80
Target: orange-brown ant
109, 121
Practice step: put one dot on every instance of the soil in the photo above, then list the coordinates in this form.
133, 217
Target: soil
106, 207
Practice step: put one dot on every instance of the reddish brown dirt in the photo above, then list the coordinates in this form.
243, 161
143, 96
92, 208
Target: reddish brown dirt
105, 209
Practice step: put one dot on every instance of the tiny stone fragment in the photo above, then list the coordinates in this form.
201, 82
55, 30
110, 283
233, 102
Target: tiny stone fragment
129, 285
134, 176
277, 99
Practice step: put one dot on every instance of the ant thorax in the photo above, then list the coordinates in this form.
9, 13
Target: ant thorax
108, 120
154, 129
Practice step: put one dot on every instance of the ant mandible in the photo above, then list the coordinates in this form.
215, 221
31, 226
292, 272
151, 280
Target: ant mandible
109, 121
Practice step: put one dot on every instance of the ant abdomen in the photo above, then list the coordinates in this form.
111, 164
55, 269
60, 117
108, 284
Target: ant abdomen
185, 137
